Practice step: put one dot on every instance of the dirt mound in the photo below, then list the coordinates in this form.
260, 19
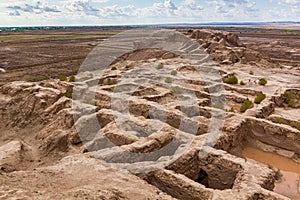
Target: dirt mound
76, 177
221, 37
145, 54
226, 48
39, 117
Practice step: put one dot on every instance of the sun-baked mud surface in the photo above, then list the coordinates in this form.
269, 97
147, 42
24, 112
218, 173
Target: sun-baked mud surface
48, 148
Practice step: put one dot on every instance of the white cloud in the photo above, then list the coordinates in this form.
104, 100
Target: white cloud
37, 8
161, 11
82, 6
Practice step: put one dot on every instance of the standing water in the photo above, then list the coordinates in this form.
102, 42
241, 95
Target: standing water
289, 183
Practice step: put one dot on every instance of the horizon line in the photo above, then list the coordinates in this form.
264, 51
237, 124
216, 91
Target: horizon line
160, 24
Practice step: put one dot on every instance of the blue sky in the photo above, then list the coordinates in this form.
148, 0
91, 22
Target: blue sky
107, 12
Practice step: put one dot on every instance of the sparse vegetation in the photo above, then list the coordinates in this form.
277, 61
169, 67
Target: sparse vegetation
278, 175
232, 110
251, 72
176, 90
174, 73
127, 67
247, 104
231, 80
168, 80
90, 101
296, 125
259, 98
89, 76
242, 83
72, 79
280, 120
37, 79
109, 82
47, 85
113, 68
262, 82
291, 99
68, 95
117, 89
160, 66
219, 105
63, 78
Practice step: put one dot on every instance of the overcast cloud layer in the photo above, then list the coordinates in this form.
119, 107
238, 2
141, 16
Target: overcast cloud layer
105, 12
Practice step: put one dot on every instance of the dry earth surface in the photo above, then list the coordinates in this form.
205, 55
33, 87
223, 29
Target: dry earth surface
43, 155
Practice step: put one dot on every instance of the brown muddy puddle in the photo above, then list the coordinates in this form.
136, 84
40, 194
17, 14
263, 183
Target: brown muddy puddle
289, 184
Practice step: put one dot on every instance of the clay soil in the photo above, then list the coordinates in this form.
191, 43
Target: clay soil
32, 55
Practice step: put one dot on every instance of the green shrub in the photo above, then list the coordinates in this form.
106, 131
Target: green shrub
176, 90
160, 66
168, 80
68, 95
231, 80
63, 78
113, 68
38, 78
174, 73
242, 83
259, 98
292, 100
247, 104
262, 81
72, 79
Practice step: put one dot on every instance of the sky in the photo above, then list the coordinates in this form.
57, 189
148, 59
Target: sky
123, 12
